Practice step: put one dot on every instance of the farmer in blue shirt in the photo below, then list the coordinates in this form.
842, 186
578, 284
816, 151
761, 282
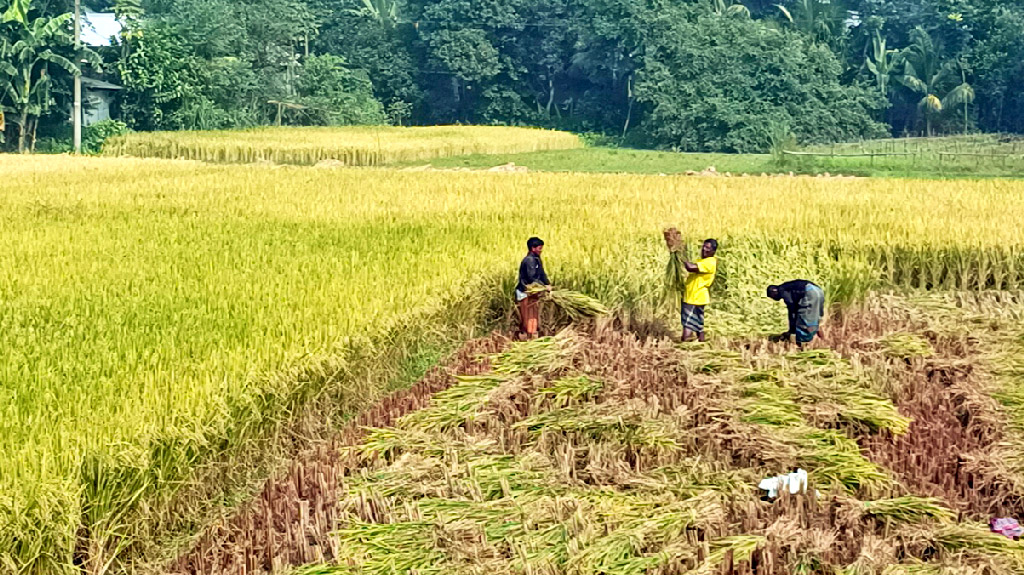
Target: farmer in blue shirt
805, 304
531, 271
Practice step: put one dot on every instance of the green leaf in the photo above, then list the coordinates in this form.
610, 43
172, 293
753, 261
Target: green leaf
738, 10
962, 94
785, 12
18, 12
59, 60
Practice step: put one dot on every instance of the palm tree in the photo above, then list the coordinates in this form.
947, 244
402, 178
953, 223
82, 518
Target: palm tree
923, 72
822, 21
721, 7
962, 94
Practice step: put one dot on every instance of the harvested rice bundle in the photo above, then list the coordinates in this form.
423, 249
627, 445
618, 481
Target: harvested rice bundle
542, 355
905, 346
575, 304
675, 271
955, 539
908, 509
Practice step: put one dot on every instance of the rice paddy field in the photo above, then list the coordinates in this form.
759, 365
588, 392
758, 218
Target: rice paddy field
350, 146
172, 329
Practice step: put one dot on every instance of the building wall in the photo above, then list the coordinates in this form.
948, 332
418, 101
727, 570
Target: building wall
96, 106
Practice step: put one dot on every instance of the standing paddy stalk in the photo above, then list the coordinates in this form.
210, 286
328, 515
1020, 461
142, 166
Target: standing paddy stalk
350, 146
157, 315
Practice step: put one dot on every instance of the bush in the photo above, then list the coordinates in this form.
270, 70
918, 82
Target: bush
337, 95
718, 83
95, 135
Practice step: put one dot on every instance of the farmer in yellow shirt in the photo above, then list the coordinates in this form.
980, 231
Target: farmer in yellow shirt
702, 275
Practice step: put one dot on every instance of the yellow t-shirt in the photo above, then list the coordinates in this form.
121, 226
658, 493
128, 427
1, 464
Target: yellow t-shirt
697, 284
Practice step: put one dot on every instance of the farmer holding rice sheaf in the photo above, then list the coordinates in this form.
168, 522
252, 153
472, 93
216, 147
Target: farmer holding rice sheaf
696, 294
531, 271
805, 302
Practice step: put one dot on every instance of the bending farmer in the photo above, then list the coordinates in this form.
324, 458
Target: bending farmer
805, 302
531, 271
697, 295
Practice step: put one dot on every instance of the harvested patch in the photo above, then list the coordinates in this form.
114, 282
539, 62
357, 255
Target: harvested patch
956, 427
649, 472
606, 453
290, 521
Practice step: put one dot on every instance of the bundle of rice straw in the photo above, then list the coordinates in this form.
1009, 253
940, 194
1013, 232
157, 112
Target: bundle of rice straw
675, 271
575, 304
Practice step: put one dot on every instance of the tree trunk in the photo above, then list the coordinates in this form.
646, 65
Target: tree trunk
32, 142
551, 96
22, 129
629, 109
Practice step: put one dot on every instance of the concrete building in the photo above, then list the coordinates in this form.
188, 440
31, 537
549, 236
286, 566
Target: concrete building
98, 29
97, 99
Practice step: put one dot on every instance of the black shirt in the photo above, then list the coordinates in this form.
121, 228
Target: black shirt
531, 271
792, 293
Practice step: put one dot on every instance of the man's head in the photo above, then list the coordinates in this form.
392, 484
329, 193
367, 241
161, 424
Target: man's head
709, 249
535, 245
774, 293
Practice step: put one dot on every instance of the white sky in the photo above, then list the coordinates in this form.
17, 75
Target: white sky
98, 27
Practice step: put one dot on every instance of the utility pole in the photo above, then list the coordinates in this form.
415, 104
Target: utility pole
78, 78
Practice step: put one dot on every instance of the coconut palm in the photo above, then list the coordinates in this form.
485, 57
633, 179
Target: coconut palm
923, 72
960, 95
383, 11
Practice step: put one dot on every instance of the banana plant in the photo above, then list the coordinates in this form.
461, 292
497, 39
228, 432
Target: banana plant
26, 61
882, 62
729, 8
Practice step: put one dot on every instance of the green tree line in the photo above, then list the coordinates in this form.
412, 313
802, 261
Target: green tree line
693, 75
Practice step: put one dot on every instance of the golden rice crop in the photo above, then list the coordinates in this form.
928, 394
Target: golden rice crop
349, 146
158, 315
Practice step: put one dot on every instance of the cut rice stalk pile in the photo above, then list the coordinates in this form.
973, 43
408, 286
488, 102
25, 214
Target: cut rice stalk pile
908, 509
576, 305
612, 456
542, 355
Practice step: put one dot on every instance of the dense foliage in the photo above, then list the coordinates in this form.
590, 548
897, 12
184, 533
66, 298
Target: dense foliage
709, 75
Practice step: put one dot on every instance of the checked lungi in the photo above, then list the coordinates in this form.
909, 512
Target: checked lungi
693, 317
808, 318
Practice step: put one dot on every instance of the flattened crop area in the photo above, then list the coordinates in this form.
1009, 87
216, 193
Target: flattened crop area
607, 453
